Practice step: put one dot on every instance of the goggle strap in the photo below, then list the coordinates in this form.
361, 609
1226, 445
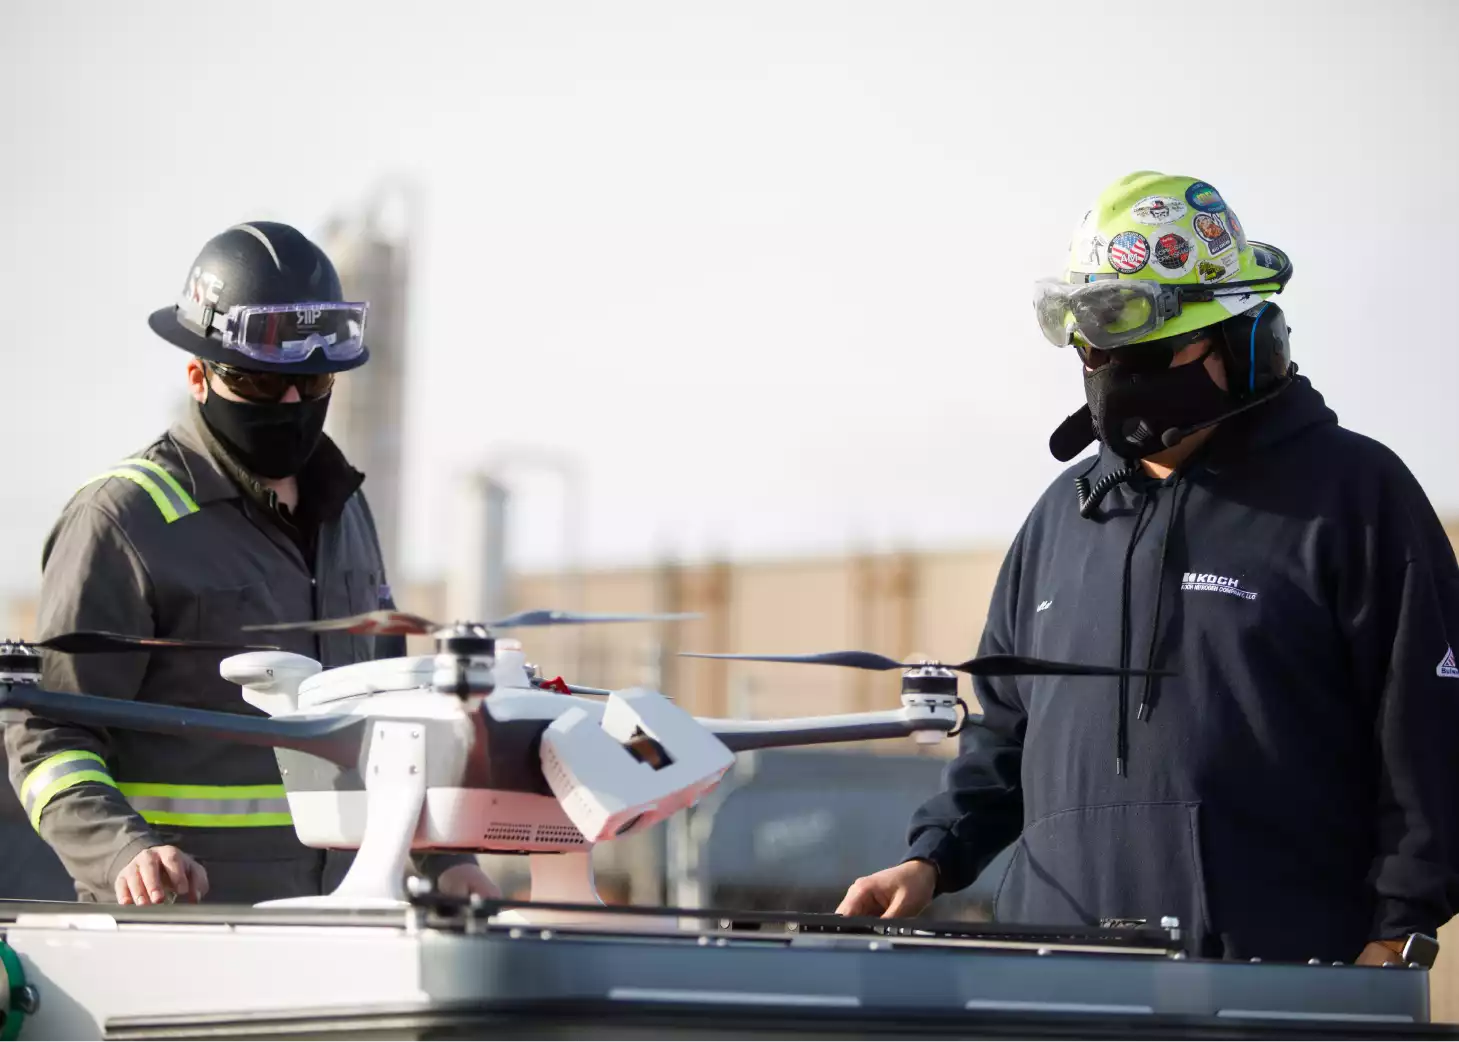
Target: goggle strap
204, 316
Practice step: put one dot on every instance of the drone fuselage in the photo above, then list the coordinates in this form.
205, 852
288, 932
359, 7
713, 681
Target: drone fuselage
494, 798
487, 756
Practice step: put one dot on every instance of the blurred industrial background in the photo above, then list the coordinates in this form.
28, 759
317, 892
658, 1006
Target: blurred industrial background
510, 515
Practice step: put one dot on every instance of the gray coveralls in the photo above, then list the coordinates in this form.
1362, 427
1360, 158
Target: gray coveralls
181, 541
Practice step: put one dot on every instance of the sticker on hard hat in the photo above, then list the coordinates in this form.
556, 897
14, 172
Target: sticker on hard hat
1091, 252
1213, 233
1175, 253
1128, 252
1158, 209
1204, 198
203, 287
1218, 270
1235, 226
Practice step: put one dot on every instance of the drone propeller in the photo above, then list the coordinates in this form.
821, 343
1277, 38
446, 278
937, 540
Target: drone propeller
399, 623
571, 618
96, 642
383, 623
334, 738
983, 666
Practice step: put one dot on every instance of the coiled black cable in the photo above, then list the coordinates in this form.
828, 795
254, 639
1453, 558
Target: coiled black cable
1089, 499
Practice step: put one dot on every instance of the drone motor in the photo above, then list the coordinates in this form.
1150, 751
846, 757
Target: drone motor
929, 689
20, 663
465, 660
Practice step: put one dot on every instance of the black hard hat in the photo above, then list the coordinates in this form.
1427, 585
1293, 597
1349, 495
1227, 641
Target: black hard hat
253, 264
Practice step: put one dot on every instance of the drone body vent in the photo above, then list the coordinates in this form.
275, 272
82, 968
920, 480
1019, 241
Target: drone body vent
559, 834
501, 833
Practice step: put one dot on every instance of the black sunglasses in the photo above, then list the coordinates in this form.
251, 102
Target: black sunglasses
1147, 357
267, 388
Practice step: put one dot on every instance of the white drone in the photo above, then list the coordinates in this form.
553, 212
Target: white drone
470, 750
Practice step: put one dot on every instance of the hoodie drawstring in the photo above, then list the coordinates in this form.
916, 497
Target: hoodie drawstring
1122, 736
1147, 702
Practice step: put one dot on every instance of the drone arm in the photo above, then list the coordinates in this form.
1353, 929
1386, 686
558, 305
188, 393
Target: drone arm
333, 738
741, 735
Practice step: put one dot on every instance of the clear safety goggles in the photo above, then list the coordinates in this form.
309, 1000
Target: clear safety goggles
1111, 312
285, 333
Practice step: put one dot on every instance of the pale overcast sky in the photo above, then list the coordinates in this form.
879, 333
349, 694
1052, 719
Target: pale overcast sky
763, 268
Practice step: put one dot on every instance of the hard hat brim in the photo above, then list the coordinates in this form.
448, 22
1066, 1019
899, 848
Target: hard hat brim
164, 323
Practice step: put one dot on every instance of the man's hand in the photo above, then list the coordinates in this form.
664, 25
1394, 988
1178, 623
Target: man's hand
897, 892
158, 874
1381, 953
467, 880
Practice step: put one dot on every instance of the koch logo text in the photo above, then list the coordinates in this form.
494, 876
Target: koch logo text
1206, 582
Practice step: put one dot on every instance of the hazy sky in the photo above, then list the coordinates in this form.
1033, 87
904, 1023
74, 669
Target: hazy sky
763, 268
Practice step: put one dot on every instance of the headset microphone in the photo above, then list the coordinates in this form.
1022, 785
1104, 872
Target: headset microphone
1173, 435
1071, 436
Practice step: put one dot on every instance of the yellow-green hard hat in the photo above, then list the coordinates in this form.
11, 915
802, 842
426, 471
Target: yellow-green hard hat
1176, 231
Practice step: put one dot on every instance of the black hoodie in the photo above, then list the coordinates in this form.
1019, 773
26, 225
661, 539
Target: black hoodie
1294, 792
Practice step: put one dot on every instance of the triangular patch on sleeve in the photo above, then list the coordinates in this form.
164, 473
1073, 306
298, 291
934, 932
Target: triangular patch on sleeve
1448, 667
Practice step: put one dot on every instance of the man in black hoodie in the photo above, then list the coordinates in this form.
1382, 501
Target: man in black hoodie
1293, 792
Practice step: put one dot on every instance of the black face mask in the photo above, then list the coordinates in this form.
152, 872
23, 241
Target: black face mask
1135, 407
272, 440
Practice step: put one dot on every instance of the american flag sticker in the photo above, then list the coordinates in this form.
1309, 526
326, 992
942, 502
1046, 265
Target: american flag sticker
1128, 252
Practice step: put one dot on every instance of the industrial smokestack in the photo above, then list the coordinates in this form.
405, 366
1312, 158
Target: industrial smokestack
371, 248
476, 586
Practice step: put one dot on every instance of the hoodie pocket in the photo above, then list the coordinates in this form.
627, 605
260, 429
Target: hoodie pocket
1120, 861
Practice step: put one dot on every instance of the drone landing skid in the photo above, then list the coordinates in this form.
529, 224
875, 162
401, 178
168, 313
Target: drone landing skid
395, 793
560, 879
568, 879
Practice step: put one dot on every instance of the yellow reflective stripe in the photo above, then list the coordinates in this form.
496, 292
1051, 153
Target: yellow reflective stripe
203, 792
183, 499
263, 819
170, 497
152, 488
197, 806
45, 769
60, 785
56, 774
209, 806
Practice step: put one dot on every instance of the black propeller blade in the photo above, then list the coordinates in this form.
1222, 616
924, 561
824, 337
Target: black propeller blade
96, 642
1024, 666
399, 623
334, 738
854, 659
985, 666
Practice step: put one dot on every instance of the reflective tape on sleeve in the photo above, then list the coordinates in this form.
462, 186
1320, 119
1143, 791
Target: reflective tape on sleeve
57, 773
170, 497
209, 806
181, 500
